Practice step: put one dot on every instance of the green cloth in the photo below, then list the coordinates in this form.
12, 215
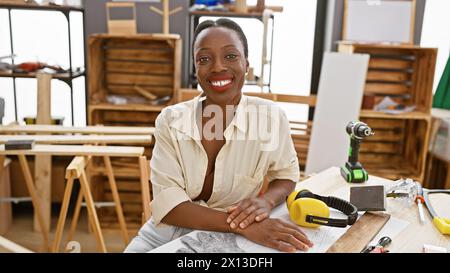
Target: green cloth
442, 96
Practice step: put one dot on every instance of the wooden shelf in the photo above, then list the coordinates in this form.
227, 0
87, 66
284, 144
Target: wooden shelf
410, 115
60, 76
127, 107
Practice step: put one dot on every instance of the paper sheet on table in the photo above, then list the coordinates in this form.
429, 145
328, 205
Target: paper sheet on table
323, 237
392, 228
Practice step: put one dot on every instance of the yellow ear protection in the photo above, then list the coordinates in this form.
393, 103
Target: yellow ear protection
311, 210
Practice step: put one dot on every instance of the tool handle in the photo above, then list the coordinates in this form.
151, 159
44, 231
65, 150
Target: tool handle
354, 150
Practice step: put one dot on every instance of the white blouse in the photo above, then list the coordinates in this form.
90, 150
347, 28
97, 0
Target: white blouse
258, 143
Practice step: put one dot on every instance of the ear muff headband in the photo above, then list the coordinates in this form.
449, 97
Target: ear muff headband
314, 214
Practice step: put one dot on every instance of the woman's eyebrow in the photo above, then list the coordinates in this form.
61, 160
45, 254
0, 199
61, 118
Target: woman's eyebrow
234, 46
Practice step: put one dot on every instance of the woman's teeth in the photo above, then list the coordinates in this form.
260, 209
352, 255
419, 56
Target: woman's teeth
220, 83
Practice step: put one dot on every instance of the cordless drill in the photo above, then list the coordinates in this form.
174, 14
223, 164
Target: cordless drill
353, 171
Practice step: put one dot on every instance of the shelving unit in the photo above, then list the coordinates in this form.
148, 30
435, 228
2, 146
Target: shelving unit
65, 77
405, 73
117, 65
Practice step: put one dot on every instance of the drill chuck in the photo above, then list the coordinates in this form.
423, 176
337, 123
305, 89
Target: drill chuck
359, 130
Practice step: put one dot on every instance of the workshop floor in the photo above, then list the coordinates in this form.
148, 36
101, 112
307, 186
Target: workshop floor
21, 232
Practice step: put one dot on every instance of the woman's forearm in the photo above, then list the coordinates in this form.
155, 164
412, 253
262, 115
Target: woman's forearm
193, 216
278, 191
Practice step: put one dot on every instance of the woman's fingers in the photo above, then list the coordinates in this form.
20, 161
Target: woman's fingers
298, 230
293, 240
239, 208
238, 221
301, 240
282, 246
261, 215
257, 215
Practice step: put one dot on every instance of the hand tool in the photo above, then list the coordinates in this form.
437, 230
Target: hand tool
441, 223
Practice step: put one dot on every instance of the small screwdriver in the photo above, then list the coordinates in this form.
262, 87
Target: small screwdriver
420, 200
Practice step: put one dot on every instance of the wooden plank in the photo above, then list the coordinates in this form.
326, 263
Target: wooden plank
379, 121
381, 147
77, 150
145, 184
334, 110
92, 212
57, 129
138, 79
139, 67
387, 88
127, 107
384, 118
116, 198
80, 139
177, 59
5, 191
35, 200
387, 136
43, 163
65, 204
126, 185
130, 89
13, 247
121, 116
136, 43
388, 76
126, 197
383, 63
139, 55
380, 159
96, 69
356, 238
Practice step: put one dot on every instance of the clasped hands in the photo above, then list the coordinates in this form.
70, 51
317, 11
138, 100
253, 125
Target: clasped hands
250, 218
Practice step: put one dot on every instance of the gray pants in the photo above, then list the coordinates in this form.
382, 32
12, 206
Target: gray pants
150, 237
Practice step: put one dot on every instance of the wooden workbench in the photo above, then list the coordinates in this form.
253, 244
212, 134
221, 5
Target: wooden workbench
410, 239
414, 236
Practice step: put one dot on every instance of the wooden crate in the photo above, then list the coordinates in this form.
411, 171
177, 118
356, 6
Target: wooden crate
403, 72
119, 65
398, 148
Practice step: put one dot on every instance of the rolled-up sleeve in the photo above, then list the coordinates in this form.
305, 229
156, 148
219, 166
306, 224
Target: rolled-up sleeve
168, 183
284, 161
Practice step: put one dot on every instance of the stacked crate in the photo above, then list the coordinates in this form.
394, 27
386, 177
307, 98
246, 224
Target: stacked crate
405, 73
131, 79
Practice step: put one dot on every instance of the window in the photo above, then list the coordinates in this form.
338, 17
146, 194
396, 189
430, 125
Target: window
435, 33
43, 36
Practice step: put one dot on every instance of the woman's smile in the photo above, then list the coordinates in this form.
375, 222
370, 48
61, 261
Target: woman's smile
220, 83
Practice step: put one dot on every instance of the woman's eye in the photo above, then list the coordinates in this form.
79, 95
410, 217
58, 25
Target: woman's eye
203, 60
231, 56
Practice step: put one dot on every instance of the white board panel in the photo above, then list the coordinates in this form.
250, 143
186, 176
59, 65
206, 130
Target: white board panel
379, 21
339, 101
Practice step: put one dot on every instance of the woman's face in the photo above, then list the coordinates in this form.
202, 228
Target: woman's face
220, 64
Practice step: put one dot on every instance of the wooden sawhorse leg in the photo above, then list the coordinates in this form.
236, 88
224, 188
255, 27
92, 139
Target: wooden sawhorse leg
117, 204
145, 188
34, 198
76, 170
116, 197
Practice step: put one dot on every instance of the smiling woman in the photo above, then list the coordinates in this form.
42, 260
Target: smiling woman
221, 59
212, 154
